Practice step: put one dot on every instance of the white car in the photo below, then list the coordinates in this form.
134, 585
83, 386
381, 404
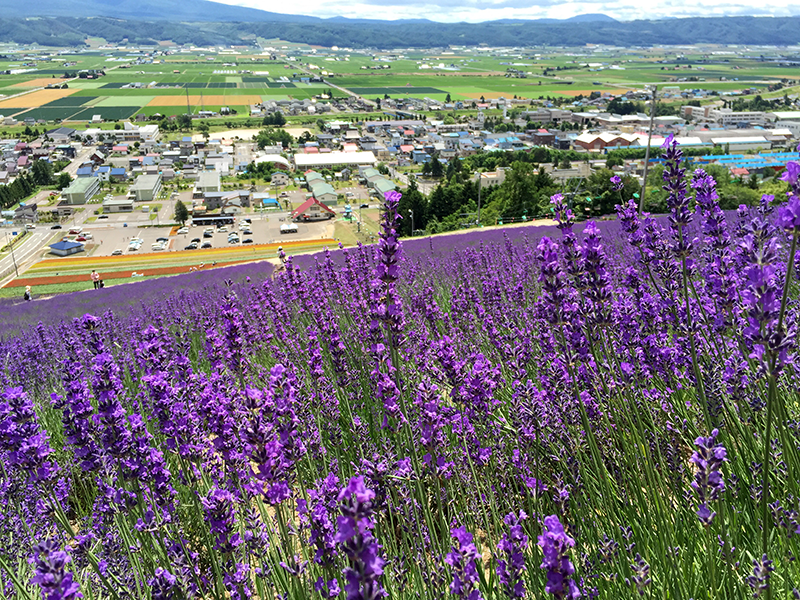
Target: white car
116, 252
183, 230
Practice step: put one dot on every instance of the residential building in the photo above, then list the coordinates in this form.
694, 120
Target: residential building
208, 181
312, 210
279, 178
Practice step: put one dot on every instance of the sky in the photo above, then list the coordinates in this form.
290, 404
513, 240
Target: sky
473, 11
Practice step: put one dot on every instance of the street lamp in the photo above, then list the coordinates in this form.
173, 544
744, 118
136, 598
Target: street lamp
411, 213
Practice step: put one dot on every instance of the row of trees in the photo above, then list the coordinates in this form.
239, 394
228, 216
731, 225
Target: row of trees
22, 187
527, 189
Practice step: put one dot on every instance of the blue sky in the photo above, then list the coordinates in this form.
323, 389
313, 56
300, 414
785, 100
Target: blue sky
486, 10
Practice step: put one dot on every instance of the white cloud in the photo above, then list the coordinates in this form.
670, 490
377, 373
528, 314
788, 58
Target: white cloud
473, 11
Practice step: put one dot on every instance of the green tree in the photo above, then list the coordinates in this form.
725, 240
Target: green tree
518, 193
204, 129
181, 212
412, 201
604, 197
42, 172
184, 122
436, 167
64, 180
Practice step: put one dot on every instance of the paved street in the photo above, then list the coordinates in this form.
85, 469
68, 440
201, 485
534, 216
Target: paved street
26, 252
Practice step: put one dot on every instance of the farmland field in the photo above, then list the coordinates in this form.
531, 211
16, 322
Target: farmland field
237, 80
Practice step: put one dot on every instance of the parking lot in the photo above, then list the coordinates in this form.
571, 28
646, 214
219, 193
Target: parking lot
110, 234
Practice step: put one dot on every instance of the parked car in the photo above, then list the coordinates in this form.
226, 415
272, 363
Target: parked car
247, 241
364, 206
116, 252
56, 227
191, 246
80, 238
223, 229
247, 231
162, 239
208, 235
196, 240
206, 245
75, 230
233, 240
103, 217
182, 231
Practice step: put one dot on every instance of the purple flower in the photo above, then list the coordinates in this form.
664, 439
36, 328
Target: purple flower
759, 580
792, 174
54, 581
555, 545
616, 182
511, 561
789, 215
365, 565
708, 482
218, 506
464, 559
164, 585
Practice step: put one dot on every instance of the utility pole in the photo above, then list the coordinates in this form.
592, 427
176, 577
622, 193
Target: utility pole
13, 259
411, 212
647, 150
480, 185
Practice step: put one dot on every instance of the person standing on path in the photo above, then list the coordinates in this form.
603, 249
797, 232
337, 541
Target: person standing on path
27, 295
95, 279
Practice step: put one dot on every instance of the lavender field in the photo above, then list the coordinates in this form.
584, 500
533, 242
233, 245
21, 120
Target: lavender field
607, 410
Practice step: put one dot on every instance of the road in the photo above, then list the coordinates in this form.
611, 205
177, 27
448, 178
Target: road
426, 187
333, 85
26, 252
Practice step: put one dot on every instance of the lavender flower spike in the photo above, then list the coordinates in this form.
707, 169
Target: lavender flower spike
555, 544
708, 482
463, 558
616, 182
54, 582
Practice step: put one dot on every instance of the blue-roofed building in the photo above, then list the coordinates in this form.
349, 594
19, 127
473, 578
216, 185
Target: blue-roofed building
118, 174
65, 248
103, 173
420, 156
84, 172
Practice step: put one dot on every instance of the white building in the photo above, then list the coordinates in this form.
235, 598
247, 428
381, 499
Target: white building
333, 160
129, 133
726, 116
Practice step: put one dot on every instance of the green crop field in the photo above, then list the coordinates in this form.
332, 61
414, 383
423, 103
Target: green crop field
136, 83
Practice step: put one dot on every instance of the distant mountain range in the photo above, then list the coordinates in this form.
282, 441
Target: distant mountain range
203, 11
202, 22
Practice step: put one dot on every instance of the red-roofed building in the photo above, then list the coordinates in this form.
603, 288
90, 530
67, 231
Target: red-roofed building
312, 210
740, 172
312, 150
